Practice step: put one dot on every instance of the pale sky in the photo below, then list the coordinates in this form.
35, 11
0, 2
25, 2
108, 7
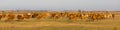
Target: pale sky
60, 4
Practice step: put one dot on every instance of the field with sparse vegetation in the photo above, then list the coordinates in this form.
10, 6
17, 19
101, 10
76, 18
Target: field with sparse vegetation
63, 24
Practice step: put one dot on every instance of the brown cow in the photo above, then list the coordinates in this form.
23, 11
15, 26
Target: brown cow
1, 16
72, 16
98, 16
20, 17
10, 17
34, 15
27, 15
43, 15
56, 15
84, 16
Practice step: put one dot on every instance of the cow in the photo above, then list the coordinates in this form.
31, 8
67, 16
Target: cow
84, 16
72, 16
10, 17
108, 15
99, 16
43, 15
34, 15
56, 15
20, 17
27, 15
1, 16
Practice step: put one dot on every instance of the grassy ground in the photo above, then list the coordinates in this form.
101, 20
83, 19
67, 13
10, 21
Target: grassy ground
62, 24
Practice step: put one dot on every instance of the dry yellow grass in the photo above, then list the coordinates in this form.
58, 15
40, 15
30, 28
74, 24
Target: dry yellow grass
63, 24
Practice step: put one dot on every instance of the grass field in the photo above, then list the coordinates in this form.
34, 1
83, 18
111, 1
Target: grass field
62, 24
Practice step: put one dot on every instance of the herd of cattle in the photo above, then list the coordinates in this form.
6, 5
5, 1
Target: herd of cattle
56, 15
